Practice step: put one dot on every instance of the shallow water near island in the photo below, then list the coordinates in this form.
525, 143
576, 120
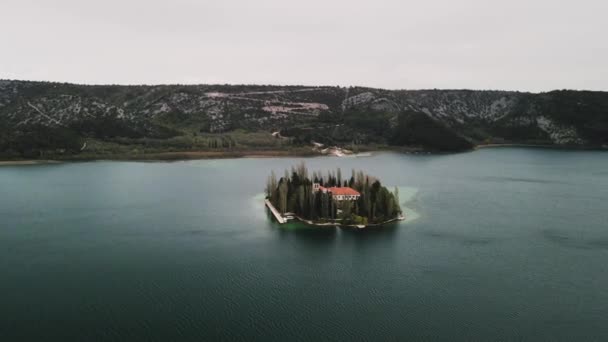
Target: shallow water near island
500, 244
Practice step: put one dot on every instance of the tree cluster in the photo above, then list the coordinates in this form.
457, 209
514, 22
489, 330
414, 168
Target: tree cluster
293, 193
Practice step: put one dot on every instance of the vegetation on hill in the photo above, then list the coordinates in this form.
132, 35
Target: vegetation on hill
415, 128
586, 110
55, 120
293, 193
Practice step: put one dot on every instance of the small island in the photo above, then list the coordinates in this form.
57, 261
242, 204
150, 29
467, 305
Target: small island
330, 200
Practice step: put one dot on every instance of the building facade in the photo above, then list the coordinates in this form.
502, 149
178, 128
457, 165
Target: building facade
338, 194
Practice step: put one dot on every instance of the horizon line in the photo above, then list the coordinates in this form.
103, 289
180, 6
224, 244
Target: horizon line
291, 85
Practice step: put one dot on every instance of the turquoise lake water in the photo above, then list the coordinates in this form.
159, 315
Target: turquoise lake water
500, 244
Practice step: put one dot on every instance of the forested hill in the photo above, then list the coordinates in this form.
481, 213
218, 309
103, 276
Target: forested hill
41, 119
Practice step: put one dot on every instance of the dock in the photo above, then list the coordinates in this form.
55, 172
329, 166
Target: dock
275, 212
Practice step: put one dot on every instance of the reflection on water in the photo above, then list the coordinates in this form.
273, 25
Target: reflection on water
313, 234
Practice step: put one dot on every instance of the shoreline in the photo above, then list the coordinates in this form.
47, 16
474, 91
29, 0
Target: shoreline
546, 146
285, 219
29, 162
339, 225
202, 155
165, 157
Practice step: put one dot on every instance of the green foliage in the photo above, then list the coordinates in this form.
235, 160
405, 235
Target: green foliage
375, 124
39, 141
294, 193
415, 128
585, 110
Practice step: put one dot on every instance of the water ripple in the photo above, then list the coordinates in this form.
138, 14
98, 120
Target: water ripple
564, 239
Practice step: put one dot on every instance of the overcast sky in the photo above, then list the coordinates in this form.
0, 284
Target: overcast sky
533, 45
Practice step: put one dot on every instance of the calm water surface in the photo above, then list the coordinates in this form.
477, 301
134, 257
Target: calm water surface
509, 244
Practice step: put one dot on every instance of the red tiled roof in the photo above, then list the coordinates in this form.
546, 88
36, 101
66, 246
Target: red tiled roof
344, 191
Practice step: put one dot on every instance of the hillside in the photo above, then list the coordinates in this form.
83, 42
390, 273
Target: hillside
57, 120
